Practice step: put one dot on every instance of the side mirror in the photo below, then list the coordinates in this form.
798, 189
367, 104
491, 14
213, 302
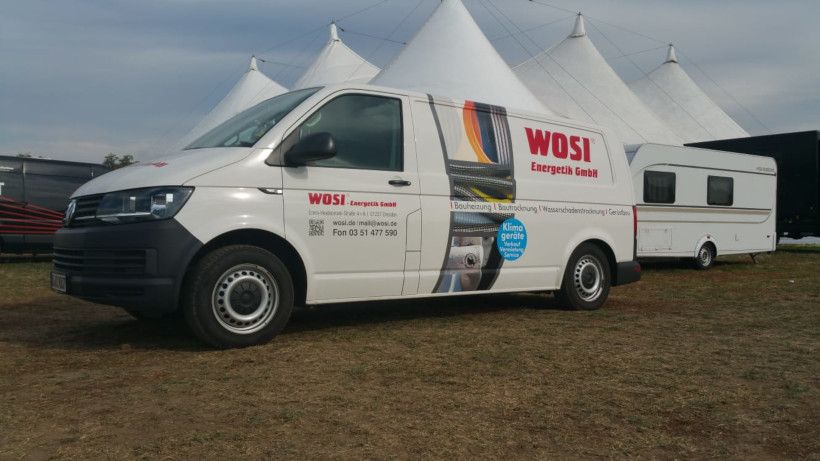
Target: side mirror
318, 146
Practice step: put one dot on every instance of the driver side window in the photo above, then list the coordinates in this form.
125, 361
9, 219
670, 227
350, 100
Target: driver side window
367, 130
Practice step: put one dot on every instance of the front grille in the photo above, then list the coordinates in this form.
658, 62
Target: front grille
86, 211
105, 262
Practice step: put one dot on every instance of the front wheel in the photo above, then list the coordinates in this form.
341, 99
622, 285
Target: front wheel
586, 279
238, 296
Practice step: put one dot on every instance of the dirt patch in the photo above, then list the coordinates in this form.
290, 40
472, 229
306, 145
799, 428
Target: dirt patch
685, 364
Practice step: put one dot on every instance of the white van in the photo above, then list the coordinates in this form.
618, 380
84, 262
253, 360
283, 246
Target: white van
700, 203
350, 193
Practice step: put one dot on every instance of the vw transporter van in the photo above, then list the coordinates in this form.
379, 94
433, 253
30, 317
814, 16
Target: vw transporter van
351, 193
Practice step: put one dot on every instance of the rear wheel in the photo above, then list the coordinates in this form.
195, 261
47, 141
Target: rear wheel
238, 296
586, 279
706, 257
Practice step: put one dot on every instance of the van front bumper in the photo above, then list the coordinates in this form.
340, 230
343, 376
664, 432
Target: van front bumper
139, 266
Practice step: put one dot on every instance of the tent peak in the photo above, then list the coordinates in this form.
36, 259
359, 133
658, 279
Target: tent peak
253, 65
336, 63
334, 34
450, 56
681, 103
670, 54
579, 30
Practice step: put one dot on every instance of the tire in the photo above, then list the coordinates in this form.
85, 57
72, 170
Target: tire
586, 279
238, 296
706, 257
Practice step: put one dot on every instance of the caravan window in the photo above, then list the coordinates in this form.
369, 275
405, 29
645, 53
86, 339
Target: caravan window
720, 191
367, 130
658, 187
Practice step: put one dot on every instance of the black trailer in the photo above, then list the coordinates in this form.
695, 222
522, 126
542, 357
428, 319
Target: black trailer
33, 197
798, 176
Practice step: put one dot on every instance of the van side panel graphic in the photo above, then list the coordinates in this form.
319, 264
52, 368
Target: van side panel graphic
480, 170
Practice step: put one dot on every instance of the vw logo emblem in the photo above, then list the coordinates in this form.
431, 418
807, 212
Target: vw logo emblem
69, 212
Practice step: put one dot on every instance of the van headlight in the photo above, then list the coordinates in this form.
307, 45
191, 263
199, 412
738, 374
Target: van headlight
138, 205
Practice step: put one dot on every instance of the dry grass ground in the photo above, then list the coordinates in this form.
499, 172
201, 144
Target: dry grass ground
721, 364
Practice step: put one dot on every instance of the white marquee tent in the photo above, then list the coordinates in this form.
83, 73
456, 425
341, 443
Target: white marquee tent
253, 88
678, 100
450, 56
575, 80
336, 63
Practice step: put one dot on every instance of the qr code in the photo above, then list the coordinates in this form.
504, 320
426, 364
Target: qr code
316, 227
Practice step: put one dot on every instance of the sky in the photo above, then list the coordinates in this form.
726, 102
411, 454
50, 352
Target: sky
83, 78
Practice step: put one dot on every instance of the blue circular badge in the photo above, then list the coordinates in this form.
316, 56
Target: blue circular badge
512, 239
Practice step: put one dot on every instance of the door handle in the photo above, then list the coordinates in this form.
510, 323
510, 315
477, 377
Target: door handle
398, 182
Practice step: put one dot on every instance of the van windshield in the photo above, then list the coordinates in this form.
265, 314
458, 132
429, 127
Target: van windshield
246, 128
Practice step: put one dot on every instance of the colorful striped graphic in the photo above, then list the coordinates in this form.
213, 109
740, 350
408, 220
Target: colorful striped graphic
473, 261
474, 135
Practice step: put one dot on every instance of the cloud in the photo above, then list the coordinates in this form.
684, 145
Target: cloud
87, 77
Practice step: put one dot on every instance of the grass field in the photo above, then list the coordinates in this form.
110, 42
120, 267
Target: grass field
721, 364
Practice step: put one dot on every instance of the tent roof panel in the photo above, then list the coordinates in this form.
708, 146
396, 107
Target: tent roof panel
677, 99
575, 79
450, 56
253, 88
336, 63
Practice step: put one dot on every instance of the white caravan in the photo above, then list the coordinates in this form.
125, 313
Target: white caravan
350, 193
700, 203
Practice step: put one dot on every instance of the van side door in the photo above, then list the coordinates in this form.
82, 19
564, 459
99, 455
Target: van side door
355, 217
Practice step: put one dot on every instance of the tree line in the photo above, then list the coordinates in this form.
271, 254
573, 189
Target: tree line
111, 160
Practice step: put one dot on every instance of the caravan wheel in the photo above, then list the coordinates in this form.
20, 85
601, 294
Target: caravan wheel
706, 257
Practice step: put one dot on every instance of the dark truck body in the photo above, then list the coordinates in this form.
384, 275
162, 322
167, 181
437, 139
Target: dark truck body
33, 197
798, 176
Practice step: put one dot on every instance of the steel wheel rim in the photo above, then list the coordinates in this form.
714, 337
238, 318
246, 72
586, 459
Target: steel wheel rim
705, 256
245, 299
588, 278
